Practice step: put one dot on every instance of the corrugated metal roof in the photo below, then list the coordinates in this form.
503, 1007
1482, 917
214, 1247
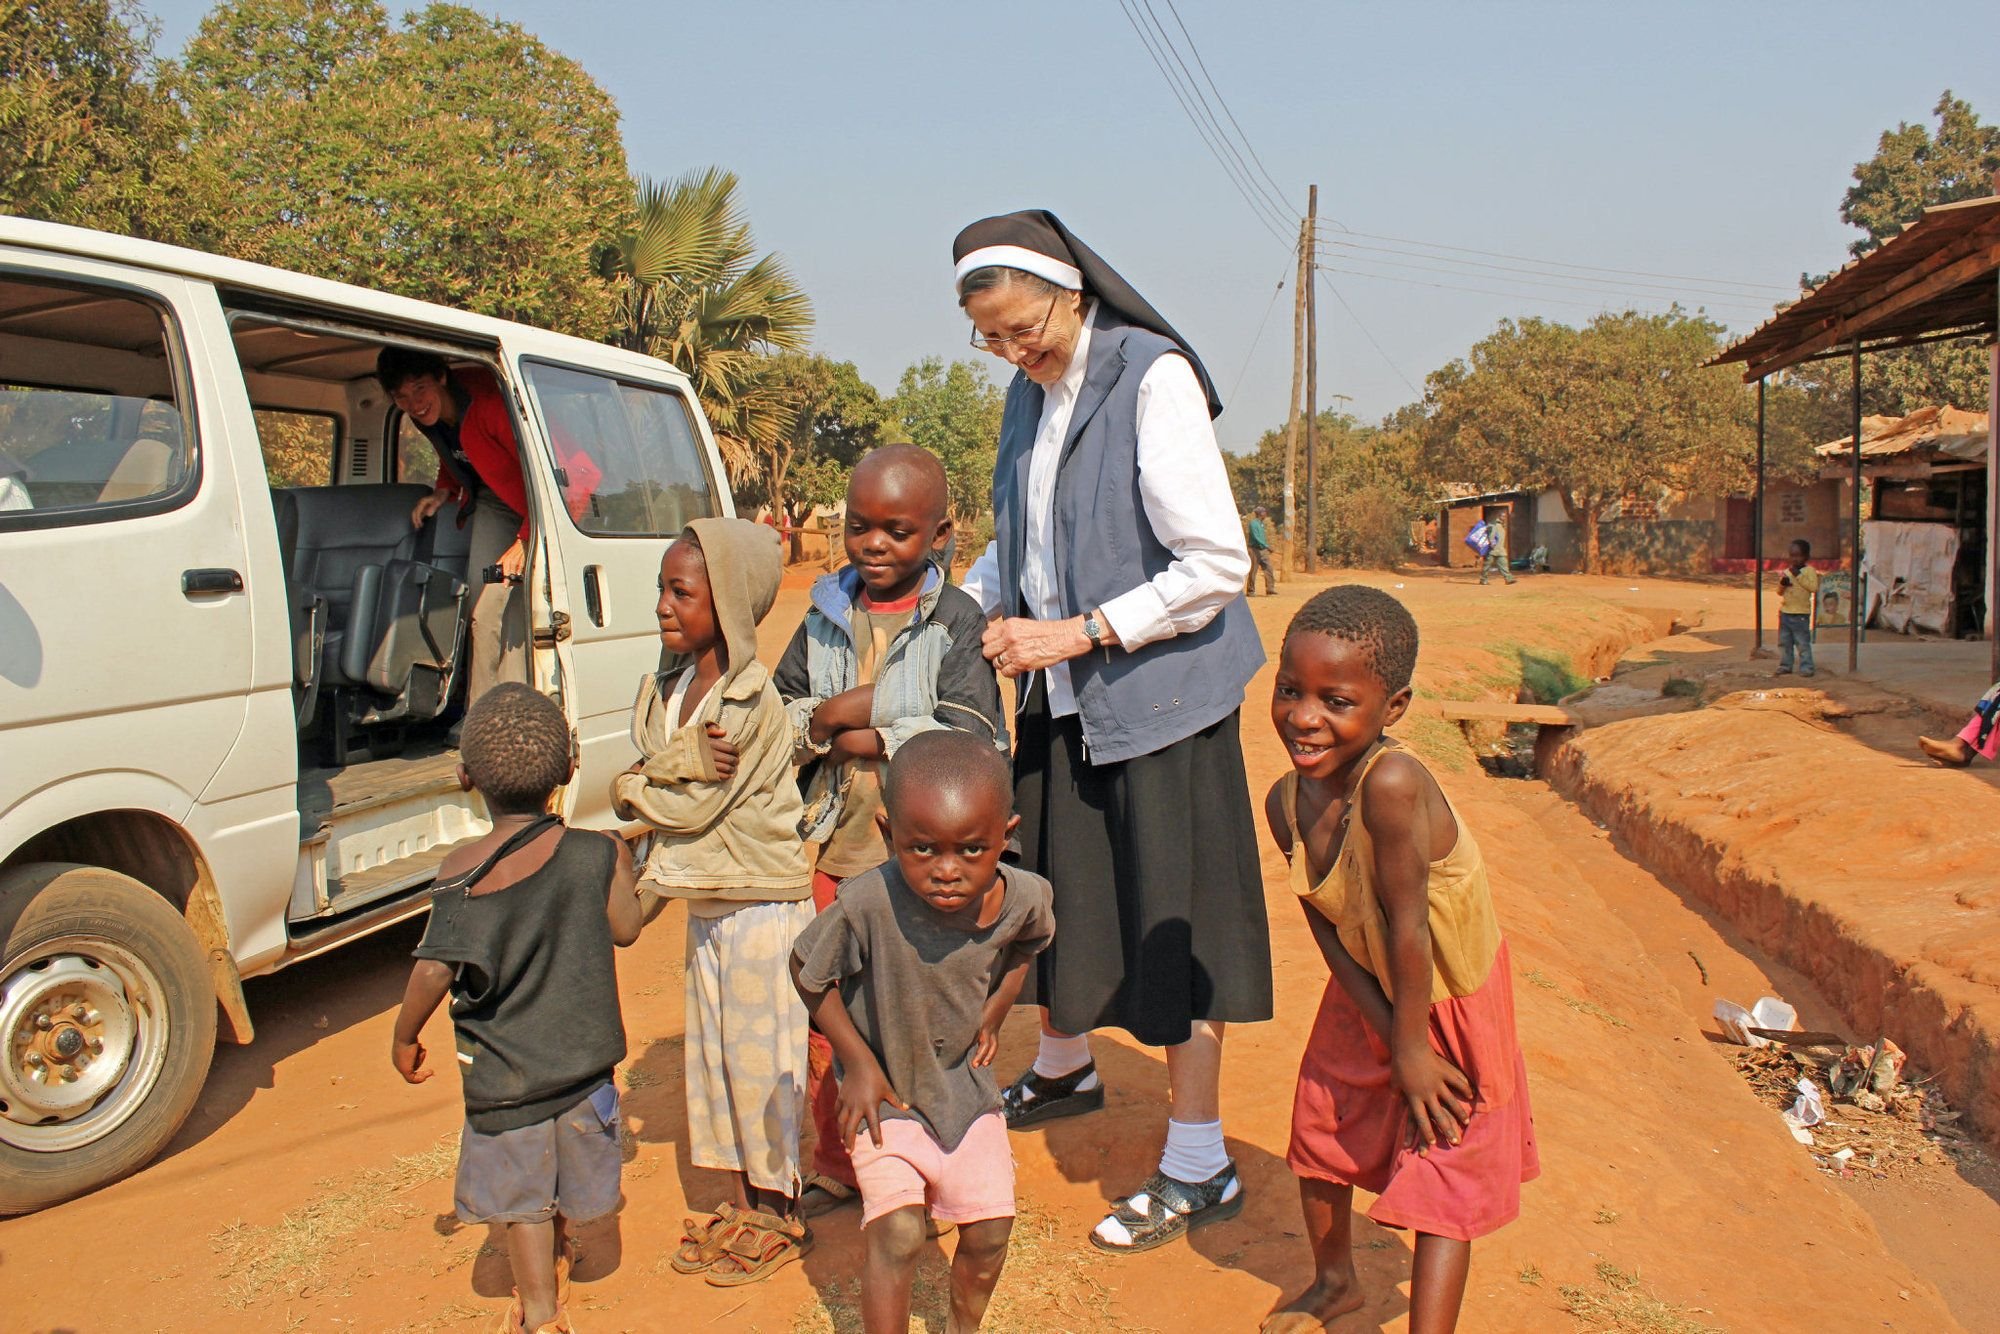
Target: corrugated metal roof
1938, 275
1942, 433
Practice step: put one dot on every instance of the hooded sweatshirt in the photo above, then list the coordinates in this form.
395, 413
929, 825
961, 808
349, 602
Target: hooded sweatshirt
734, 838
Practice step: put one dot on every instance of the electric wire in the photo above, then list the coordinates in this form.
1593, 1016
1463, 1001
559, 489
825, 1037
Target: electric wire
1593, 287
1321, 273
1277, 189
1256, 338
1276, 200
1481, 291
1751, 288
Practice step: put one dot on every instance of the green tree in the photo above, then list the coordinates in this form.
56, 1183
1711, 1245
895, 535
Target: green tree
691, 289
1914, 169
457, 158
1373, 483
81, 118
1623, 406
954, 412
833, 418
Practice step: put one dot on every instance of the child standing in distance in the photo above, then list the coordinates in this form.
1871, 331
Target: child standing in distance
715, 781
1800, 587
909, 973
1412, 1085
521, 932
888, 650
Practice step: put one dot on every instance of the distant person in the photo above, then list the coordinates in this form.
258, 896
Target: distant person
887, 651
715, 780
521, 932
1799, 586
464, 415
1260, 553
1494, 559
910, 973
1412, 1087
1980, 736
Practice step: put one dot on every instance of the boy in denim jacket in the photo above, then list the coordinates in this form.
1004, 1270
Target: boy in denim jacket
889, 649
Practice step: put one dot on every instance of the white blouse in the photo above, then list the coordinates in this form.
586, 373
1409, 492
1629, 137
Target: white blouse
1185, 490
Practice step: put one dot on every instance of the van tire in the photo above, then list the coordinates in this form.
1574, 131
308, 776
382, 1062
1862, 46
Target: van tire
84, 941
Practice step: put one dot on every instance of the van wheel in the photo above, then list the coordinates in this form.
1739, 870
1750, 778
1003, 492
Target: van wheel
107, 1026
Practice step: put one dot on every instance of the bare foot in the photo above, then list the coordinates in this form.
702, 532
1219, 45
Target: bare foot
1954, 751
1316, 1308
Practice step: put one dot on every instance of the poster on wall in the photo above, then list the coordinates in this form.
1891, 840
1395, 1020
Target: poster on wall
1835, 609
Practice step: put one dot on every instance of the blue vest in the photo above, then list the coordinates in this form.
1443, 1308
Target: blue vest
1132, 703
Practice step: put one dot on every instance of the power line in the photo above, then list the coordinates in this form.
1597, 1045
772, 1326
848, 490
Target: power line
1279, 190
1321, 272
1565, 264
1257, 206
1592, 286
1621, 283
1481, 291
1257, 337
1275, 195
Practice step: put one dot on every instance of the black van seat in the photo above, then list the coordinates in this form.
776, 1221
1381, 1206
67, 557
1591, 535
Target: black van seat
360, 582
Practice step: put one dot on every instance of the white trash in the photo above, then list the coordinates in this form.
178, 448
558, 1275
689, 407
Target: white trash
1768, 1012
1809, 1109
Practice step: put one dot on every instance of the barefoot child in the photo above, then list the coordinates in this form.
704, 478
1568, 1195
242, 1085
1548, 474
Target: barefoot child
888, 650
521, 929
909, 973
1412, 1086
716, 781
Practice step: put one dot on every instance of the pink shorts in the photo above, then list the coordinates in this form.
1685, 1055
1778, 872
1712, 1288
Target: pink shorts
1970, 736
972, 1182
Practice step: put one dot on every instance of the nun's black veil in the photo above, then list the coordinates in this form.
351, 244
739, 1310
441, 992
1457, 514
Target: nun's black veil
1041, 231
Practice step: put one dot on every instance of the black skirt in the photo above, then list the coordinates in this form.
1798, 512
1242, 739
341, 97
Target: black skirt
1159, 898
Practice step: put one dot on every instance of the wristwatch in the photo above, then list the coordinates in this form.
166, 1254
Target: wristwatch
1093, 629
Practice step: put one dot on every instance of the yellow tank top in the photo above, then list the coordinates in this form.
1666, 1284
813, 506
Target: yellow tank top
1464, 932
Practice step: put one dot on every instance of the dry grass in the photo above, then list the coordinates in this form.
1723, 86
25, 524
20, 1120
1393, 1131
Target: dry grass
1048, 1287
1624, 1308
1536, 978
291, 1254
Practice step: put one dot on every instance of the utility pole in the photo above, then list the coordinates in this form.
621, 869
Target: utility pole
1312, 381
1292, 414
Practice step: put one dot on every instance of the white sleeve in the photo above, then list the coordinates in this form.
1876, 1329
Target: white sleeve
982, 581
1185, 489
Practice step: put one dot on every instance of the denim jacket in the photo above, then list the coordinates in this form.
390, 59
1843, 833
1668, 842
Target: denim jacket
933, 675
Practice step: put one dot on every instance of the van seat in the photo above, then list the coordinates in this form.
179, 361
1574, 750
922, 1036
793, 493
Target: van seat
328, 536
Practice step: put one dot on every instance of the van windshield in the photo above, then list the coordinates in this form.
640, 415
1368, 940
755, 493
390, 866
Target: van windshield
628, 453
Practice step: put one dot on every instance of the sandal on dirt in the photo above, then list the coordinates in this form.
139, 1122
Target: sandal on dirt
1164, 1209
702, 1239
757, 1247
1034, 1098
568, 1258
823, 1195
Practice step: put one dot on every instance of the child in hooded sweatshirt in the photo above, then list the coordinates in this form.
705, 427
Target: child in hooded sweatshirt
716, 781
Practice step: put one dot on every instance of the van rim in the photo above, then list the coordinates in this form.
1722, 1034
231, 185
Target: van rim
84, 1022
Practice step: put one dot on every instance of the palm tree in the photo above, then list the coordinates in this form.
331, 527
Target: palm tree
693, 292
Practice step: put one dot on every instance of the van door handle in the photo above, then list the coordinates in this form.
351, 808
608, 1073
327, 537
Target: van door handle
593, 595
197, 583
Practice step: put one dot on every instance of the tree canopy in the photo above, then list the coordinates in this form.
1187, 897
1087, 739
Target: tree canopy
954, 412
1913, 169
457, 159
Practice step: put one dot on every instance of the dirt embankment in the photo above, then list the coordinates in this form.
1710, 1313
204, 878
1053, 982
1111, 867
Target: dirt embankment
1870, 873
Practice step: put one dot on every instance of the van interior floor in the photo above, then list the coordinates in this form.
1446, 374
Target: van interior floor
426, 764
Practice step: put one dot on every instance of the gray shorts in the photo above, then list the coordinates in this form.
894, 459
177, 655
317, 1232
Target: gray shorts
567, 1165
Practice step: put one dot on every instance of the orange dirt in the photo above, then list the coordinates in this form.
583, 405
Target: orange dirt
311, 1188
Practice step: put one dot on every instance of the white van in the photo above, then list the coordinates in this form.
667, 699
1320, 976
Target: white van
228, 661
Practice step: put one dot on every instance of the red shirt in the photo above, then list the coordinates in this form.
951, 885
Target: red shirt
486, 436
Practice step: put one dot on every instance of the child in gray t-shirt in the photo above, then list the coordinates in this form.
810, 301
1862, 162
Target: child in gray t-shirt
909, 974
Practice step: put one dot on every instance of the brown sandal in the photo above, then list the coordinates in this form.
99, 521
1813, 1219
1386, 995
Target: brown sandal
831, 1194
759, 1246
515, 1321
702, 1239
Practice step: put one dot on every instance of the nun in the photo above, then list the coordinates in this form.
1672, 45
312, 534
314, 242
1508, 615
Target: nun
1114, 587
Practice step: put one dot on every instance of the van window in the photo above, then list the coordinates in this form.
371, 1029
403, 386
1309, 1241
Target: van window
416, 457
298, 446
629, 454
90, 425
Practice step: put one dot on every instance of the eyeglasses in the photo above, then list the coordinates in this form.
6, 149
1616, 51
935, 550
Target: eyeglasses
1025, 338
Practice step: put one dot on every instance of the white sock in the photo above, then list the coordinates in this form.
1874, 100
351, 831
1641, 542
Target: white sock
1056, 1057
1194, 1151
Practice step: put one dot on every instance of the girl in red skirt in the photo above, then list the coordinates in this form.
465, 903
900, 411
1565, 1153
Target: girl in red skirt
1412, 1086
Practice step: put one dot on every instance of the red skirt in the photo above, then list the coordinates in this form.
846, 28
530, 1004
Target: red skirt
1348, 1123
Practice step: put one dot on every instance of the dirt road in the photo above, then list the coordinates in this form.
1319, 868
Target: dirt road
311, 1189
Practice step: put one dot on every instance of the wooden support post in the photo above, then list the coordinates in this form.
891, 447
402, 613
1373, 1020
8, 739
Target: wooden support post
1312, 383
1757, 521
1855, 607
1298, 387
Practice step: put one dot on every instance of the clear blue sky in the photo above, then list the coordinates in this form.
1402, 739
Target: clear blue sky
1712, 140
